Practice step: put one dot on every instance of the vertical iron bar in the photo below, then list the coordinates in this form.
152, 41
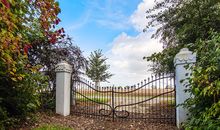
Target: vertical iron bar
164, 98
171, 102
98, 98
174, 87
138, 97
71, 93
113, 105
148, 94
91, 97
142, 95
171, 84
160, 109
158, 100
165, 89
171, 107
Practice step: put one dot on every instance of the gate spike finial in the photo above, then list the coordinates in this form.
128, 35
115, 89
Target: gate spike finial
145, 81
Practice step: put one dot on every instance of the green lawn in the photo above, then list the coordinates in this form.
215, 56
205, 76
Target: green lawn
52, 127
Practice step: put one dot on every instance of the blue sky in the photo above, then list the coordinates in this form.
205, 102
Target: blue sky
94, 23
115, 26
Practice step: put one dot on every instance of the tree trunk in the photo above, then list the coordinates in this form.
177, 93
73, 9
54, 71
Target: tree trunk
97, 85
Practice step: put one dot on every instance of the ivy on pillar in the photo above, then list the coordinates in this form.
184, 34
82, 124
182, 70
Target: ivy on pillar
63, 78
182, 59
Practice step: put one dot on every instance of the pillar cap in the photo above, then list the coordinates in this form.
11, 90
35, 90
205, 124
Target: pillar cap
63, 66
184, 57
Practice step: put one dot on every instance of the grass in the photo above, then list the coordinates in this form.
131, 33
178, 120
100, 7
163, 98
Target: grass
52, 127
99, 100
170, 103
138, 93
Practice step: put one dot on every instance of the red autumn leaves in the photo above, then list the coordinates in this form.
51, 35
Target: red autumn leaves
26, 48
48, 20
58, 33
5, 3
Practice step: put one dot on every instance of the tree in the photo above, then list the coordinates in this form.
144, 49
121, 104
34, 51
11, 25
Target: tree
181, 24
20, 83
204, 85
192, 24
97, 68
63, 49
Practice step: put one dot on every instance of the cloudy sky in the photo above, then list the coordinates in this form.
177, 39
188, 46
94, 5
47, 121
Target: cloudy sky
116, 27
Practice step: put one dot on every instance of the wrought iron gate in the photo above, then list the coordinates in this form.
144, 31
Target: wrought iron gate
153, 99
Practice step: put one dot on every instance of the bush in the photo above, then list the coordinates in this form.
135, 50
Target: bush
20, 98
47, 100
204, 106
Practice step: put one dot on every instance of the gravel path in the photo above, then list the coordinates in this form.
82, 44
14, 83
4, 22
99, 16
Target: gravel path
86, 123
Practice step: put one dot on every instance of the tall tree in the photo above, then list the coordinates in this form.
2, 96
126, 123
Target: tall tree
181, 24
97, 68
20, 83
193, 24
63, 49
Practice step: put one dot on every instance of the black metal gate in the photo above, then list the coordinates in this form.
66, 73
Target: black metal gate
152, 100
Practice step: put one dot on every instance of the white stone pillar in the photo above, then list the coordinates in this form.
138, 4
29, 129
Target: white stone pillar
183, 58
63, 77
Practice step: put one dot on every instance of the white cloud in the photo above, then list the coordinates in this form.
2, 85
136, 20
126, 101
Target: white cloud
127, 52
138, 18
126, 58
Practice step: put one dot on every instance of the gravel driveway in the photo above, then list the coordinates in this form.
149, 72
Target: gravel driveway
86, 123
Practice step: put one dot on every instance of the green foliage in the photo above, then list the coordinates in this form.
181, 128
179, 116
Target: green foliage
97, 68
204, 106
47, 99
163, 61
52, 127
63, 49
21, 83
183, 22
19, 99
191, 23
